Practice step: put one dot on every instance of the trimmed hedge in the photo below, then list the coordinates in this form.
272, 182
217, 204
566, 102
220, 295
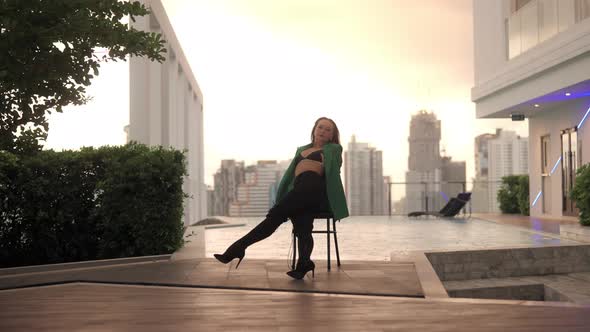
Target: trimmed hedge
513, 195
109, 202
581, 193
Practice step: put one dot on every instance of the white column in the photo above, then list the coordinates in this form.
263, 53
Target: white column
138, 87
201, 161
172, 86
154, 111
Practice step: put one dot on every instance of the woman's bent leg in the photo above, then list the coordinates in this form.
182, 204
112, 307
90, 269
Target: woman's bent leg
303, 226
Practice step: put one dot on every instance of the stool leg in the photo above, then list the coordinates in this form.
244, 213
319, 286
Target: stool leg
294, 251
328, 239
336, 241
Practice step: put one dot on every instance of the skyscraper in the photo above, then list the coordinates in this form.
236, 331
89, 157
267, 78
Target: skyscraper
431, 178
210, 201
424, 142
508, 155
482, 198
453, 177
226, 181
496, 155
363, 172
424, 173
256, 195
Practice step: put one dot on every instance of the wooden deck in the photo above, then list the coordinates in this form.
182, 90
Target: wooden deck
374, 278
95, 307
203, 295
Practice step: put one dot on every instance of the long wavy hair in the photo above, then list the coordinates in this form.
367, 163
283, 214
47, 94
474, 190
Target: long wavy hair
335, 134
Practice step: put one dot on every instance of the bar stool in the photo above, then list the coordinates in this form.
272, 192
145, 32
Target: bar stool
322, 215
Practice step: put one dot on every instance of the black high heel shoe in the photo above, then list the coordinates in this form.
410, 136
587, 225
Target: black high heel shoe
229, 255
301, 270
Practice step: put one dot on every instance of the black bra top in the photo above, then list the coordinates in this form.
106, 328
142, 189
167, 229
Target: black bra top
316, 155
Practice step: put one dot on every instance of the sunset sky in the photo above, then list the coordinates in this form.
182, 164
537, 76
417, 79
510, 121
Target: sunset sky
268, 69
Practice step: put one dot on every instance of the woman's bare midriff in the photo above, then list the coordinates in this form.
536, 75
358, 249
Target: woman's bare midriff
309, 165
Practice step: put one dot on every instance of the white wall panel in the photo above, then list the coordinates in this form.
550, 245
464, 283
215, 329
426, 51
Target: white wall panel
166, 107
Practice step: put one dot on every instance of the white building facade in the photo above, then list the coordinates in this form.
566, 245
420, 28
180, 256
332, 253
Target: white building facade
166, 107
508, 154
532, 58
364, 183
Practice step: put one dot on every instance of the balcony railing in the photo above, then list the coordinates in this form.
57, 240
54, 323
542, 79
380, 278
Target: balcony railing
405, 197
540, 20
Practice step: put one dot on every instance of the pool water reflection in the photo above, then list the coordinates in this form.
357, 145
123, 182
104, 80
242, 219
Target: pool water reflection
378, 237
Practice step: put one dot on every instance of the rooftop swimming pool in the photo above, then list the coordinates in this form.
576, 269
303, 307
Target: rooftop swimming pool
379, 237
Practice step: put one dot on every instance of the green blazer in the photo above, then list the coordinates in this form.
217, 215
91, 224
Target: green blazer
332, 164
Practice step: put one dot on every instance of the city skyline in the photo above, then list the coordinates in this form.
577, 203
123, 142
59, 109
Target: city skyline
351, 61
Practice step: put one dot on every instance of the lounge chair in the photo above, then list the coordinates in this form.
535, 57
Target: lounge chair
453, 207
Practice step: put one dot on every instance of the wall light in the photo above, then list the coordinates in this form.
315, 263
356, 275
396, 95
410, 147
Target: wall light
537, 198
568, 94
555, 166
583, 119
536, 105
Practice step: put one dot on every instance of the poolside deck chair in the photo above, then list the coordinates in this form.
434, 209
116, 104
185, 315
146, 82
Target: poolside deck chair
451, 209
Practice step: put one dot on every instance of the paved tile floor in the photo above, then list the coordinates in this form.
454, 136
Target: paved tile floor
375, 278
92, 307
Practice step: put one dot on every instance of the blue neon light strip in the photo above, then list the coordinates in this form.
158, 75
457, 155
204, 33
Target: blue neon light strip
537, 198
583, 119
444, 196
555, 166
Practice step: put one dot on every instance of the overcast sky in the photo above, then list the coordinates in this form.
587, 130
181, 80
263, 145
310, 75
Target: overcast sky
268, 69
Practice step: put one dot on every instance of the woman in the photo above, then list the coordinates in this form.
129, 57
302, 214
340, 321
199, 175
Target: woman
311, 184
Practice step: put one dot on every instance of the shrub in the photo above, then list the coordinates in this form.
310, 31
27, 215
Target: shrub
101, 203
513, 195
507, 195
581, 193
524, 204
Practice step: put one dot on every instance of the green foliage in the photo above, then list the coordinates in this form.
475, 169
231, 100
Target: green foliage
513, 195
507, 194
91, 204
524, 204
581, 193
48, 59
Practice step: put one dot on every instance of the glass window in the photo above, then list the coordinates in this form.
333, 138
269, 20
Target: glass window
520, 3
584, 9
569, 162
545, 155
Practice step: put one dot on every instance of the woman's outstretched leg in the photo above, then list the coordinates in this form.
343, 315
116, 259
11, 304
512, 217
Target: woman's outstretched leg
275, 217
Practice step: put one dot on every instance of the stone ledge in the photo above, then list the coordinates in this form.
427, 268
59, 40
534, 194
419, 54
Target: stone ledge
80, 265
432, 287
510, 262
568, 287
575, 232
